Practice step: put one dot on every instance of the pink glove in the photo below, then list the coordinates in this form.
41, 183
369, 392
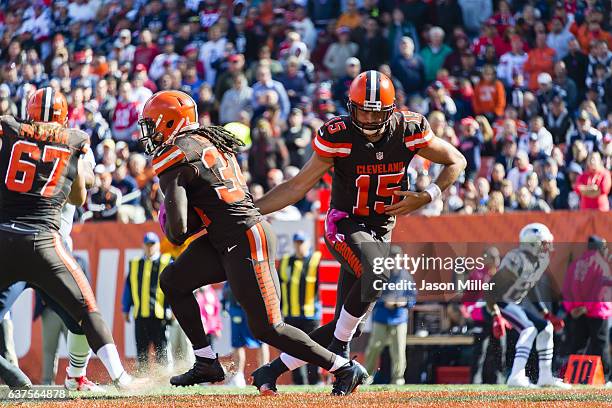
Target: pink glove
331, 230
161, 217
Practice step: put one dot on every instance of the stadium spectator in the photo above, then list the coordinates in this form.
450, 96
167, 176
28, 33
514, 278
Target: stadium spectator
435, 53
235, 101
408, 68
593, 185
475, 13
489, 95
399, 28
372, 46
470, 145
297, 138
351, 17
584, 289
540, 59
266, 84
569, 89
559, 38
104, 201
390, 326
125, 118
518, 174
512, 62
577, 64
143, 297
339, 52
146, 51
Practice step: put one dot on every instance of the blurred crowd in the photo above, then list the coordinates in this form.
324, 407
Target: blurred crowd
523, 88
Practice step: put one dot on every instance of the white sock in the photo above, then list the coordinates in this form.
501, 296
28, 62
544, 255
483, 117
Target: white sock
523, 349
544, 346
109, 356
291, 362
338, 362
78, 353
346, 326
206, 352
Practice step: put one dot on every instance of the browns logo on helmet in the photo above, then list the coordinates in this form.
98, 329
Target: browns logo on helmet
48, 105
165, 115
371, 102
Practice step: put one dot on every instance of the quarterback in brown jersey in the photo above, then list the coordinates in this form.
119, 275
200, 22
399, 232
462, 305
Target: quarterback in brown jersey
42, 170
199, 174
369, 151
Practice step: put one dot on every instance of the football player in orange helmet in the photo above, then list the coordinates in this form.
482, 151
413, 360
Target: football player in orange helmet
33, 239
48, 105
165, 115
371, 102
370, 150
198, 171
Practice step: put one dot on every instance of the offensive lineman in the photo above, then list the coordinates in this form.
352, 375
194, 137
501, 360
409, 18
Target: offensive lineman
519, 272
76, 342
40, 160
198, 173
370, 150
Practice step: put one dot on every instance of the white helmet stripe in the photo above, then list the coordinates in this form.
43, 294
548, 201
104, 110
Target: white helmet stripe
373, 85
48, 103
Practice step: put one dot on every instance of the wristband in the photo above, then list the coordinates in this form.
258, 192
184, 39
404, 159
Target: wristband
433, 190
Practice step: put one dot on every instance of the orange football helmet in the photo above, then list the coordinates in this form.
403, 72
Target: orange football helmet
371, 101
48, 105
165, 115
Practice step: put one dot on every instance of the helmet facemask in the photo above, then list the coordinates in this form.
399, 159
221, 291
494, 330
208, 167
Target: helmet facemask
379, 117
150, 138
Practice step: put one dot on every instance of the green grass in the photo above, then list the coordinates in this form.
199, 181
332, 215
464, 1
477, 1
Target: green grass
481, 392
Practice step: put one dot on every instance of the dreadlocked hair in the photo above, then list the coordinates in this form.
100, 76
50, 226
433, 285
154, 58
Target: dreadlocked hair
222, 139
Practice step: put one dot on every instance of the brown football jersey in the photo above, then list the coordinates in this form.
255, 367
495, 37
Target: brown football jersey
218, 193
367, 174
38, 162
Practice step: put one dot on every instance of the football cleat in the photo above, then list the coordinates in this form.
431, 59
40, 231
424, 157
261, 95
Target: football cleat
203, 371
81, 384
552, 382
520, 381
348, 378
264, 379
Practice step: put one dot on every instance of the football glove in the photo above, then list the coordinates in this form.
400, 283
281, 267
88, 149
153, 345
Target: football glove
557, 323
500, 325
331, 230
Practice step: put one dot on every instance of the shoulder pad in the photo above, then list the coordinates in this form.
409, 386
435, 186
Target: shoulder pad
513, 261
333, 139
167, 157
417, 132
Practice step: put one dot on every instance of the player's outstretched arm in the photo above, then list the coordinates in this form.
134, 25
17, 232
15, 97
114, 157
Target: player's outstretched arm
441, 152
78, 190
173, 184
292, 190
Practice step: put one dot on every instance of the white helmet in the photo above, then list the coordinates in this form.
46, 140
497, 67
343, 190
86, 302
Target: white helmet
536, 238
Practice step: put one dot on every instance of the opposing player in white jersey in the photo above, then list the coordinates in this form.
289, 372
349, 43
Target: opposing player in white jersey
518, 274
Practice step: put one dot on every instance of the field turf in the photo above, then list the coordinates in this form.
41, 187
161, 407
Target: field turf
417, 396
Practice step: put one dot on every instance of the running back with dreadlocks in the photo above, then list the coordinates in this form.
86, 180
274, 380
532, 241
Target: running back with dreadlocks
221, 138
203, 161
